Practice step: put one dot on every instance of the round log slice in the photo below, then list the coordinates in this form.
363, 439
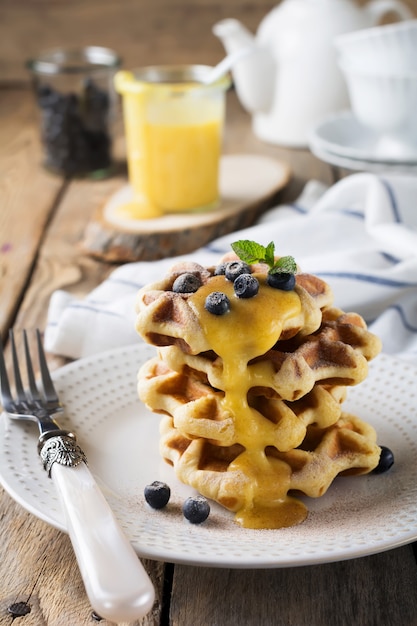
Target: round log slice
249, 185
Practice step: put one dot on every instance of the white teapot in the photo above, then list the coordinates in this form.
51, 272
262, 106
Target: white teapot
290, 79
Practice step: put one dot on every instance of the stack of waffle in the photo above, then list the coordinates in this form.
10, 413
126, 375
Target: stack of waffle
252, 399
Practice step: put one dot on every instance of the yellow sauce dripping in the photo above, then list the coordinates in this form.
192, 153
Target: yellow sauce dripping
249, 329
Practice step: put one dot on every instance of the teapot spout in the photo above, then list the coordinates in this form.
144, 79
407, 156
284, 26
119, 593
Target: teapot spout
254, 73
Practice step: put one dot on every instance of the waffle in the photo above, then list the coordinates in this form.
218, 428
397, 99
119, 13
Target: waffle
197, 408
167, 318
227, 474
252, 401
337, 353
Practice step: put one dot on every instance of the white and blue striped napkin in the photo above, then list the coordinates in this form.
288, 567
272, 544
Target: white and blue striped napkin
360, 235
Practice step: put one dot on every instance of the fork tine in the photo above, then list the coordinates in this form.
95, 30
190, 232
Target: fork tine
4, 379
31, 376
48, 386
16, 370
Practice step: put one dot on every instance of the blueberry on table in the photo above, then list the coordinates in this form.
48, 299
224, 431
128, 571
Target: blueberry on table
217, 303
281, 280
246, 286
157, 494
386, 461
196, 509
186, 283
235, 269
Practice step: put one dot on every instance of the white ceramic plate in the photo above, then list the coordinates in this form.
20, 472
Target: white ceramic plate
358, 516
343, 136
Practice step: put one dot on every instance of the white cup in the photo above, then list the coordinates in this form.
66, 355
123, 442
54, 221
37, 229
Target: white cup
386, 103
380, 69
391, 48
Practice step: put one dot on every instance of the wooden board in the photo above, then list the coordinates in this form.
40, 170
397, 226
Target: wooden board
28, 194
249, 184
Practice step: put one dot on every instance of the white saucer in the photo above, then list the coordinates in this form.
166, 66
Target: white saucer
361, 165
344, 137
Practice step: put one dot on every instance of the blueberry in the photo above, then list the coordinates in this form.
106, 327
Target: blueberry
196, 509
281, 280
246, 286
220, 270
235, 269
186, 283
217, 303
386, 461
157, 494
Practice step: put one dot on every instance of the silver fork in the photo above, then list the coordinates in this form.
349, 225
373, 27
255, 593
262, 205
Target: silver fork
29, 405
118, 587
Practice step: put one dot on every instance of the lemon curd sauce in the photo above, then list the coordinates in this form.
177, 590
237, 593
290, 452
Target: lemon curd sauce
249, 330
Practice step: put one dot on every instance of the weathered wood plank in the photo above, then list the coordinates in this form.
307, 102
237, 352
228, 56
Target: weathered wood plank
182, 29
45, 574
28, 196
380, 589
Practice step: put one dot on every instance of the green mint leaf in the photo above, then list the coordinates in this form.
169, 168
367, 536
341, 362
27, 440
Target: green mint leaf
270, 254
252, 252
249, 251
286, 265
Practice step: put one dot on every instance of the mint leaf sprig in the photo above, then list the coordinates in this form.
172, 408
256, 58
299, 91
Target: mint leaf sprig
252, 252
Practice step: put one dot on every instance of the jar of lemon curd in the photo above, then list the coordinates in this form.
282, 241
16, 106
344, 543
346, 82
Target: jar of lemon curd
173, 128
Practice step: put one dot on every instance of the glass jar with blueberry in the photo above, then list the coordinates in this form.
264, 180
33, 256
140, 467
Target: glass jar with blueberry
77, 104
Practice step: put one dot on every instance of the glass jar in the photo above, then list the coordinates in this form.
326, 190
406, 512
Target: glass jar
77, 103
174, 127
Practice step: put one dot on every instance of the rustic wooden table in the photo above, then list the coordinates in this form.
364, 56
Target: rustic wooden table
42, 221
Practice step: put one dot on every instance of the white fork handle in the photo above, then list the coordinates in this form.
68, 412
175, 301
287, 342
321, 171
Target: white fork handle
117, 585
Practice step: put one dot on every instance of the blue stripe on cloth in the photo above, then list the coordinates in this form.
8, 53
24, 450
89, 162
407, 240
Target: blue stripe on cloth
297, 207
389, 257
376, 280
93, 309
401, 312
216, 250
393, 200
128, 283
352, 213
